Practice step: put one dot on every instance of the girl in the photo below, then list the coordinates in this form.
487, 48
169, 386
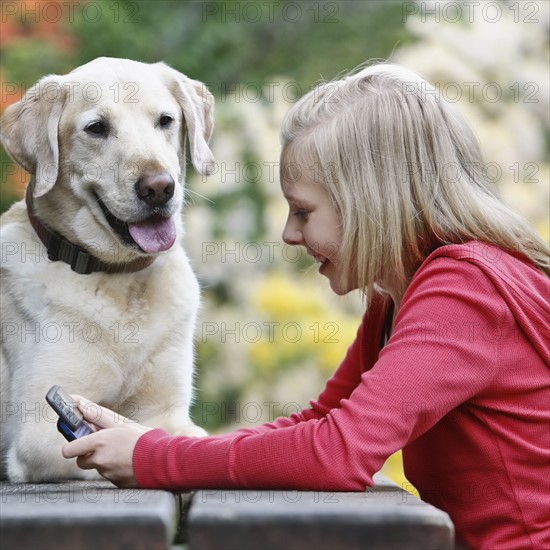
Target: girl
386, 191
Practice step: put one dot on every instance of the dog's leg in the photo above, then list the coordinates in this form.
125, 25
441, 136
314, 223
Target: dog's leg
34, 453
166, 392
29, 463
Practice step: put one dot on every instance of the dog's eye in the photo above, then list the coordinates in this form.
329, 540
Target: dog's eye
165, 121
97, 128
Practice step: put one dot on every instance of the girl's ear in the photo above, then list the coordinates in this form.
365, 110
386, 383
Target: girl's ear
29, 131
197, 105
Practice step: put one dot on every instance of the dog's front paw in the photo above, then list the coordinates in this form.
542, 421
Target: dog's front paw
175, 423
190, 430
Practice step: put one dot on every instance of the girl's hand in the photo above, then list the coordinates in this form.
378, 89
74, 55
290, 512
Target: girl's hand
111, 448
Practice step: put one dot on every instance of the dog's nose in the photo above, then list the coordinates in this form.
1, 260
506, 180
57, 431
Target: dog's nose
155, 189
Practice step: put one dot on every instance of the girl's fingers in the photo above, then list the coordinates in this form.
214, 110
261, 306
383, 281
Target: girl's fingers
98, 415
81, 447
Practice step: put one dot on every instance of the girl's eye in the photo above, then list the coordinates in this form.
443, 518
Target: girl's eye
301, 213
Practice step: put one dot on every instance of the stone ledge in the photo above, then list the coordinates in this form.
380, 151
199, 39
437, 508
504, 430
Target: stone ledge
97, 515
85, 515
384, 517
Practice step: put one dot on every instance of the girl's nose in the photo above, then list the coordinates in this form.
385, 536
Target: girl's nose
291, 234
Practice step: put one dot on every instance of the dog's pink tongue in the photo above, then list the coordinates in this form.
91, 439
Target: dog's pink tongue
153, 235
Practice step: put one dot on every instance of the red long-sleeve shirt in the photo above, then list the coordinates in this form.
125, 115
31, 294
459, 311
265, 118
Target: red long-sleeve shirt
462, 386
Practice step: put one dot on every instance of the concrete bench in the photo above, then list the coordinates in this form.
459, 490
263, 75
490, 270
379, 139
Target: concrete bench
86, 515
384, 517
97, 515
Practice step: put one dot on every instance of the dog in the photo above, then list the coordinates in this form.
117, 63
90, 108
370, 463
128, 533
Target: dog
98, 294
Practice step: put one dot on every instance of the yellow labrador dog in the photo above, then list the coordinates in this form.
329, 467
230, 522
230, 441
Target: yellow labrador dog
97, 292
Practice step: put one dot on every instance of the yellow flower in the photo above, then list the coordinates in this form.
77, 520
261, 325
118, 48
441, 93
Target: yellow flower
280, 297
300, 327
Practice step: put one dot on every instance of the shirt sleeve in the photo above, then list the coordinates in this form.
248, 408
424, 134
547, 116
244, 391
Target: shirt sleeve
424, 371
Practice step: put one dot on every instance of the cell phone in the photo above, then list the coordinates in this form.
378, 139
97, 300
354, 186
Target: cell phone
71, 423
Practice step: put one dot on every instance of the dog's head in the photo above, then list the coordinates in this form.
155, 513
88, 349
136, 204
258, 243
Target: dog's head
106, 147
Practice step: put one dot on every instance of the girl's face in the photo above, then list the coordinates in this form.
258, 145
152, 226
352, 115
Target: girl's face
314, 223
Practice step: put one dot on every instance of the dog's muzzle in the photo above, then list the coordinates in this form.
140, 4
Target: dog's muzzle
157, 232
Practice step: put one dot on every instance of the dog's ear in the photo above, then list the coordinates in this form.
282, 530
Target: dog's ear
197, 104
28, 131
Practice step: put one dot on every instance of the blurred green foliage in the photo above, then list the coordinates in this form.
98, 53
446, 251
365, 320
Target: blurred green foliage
221, 43
230, 42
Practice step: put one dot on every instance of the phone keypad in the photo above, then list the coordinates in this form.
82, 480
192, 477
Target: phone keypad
68, 410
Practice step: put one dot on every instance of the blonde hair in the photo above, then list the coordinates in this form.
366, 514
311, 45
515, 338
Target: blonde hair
405, 172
